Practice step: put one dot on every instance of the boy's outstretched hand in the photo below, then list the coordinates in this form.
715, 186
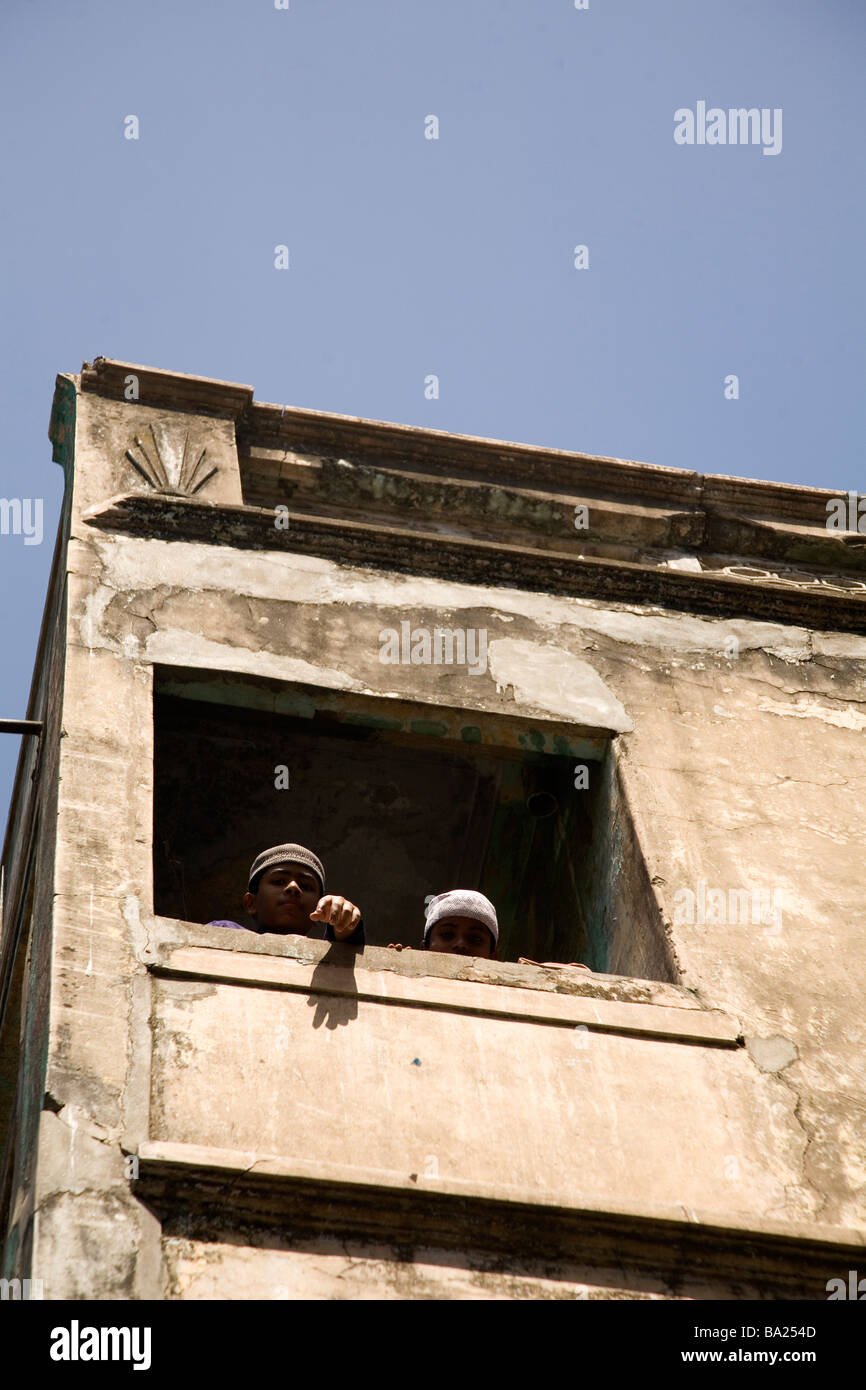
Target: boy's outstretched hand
342, 915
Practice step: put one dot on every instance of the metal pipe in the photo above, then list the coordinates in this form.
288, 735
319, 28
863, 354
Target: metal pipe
21, 726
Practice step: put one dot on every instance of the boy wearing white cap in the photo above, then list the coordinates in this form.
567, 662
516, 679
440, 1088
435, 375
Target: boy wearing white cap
461, 923
286, 895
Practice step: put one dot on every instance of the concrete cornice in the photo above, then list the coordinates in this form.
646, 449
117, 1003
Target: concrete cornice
200, 395
286, 427
457, 507
471, 561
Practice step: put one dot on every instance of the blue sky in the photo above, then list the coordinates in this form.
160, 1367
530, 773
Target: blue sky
455, 257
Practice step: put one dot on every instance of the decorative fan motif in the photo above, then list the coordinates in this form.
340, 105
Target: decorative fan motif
166, 466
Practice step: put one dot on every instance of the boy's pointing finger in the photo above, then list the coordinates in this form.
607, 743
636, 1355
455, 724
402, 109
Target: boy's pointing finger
342, 915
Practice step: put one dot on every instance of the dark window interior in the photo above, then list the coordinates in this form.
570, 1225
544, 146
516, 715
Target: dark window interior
396, 816
392, 818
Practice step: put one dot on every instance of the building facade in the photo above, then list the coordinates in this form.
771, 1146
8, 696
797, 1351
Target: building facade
624, 701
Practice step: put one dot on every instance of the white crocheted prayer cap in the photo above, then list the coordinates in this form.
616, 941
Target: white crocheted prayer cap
462, 902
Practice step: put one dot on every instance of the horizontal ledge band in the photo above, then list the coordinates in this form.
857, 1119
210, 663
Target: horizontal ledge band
220, 1187
476, 561
651, 1021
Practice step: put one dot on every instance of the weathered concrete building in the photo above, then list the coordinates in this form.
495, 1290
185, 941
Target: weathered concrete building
624, 701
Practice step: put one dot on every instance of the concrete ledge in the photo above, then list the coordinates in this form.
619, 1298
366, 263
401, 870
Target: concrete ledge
218, 1186
478, 561
167, 934
451, 996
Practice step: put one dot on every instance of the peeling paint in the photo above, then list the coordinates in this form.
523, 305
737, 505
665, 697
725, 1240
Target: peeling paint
549, 678
813, 709
771, 1054
177, 647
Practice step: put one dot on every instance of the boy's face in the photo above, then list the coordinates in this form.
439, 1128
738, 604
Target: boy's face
284, 899
461, 936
